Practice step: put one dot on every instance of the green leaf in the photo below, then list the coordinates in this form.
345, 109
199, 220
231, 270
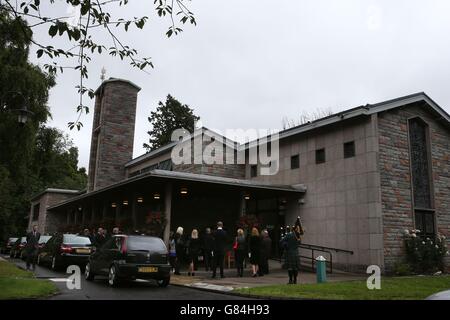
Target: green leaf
53, 30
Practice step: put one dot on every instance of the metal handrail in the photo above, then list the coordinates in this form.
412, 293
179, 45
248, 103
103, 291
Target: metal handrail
323, 249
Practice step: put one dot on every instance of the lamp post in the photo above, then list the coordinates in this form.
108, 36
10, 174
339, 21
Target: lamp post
23, 112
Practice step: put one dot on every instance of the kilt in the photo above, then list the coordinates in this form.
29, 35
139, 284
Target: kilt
291, 260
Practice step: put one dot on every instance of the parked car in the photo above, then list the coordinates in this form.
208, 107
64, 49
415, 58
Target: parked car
130, 257
42, 241
17, 247
6, 248
443, 295
63, 250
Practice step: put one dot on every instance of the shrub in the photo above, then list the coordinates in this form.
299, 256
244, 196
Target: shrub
425, 254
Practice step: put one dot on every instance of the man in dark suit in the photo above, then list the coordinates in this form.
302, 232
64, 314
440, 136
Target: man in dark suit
32, 247
220, 242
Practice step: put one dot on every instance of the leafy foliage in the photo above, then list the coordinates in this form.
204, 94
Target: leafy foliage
81, 42
32, 156
168, 117
424, 254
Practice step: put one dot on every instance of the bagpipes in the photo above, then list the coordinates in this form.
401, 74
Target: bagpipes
287, 229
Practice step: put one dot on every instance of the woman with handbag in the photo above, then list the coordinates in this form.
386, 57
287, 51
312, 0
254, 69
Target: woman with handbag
240, 250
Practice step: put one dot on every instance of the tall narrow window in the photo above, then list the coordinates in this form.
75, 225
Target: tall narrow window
419, 164
421, 176
253, 171
295, 162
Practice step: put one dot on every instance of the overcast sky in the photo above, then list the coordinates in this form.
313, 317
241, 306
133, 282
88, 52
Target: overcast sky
248, 64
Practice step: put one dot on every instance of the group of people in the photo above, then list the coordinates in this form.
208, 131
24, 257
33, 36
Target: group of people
99, 237
213, 247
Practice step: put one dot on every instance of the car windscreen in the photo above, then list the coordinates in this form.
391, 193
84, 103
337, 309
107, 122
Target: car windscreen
145, 243
23, 239
76, 240
44, 239
11, 240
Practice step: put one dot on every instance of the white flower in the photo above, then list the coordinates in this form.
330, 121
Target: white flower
447, 253
428, 239
417, 231
436, 246
431, 242
423, 242
443, 237
414, 235
406, 231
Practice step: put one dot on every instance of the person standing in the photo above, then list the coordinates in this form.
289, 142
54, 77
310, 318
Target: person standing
32, 247
116, 231
179, 249
208, 247
172, 252
193, 248
266, 249
255, 251
292, 259
220, 242
100, 238
240, 250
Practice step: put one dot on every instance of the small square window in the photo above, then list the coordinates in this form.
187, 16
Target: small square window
253, 171
320, 156
349, 149
295, 162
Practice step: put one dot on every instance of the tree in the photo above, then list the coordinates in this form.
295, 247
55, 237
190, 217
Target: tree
32, 156
82, 42
168, 117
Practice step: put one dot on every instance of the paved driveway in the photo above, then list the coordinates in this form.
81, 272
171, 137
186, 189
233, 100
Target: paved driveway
138, 290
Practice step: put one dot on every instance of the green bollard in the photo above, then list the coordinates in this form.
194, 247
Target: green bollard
321, 269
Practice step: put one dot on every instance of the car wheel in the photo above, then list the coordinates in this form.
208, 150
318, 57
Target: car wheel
55, 264
163, 282
113, 280
88, 274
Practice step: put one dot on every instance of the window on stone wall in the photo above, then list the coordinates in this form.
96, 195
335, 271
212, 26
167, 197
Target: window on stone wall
36, 211
349, 149
425, 222
253, 171
295, 162
420, 164
421, 177
320, 156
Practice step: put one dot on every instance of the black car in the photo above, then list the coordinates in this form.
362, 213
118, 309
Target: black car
42, 241
6, 248
130, 257
17, 247
63, 250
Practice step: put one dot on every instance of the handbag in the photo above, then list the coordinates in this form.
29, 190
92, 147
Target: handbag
235, 245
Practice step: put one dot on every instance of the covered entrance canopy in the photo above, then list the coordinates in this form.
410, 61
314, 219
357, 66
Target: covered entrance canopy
159, 201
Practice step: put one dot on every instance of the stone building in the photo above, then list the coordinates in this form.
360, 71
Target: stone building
357, 178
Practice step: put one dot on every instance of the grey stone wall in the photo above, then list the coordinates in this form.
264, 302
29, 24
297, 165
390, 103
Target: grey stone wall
342, 204
397, 202
113, 133
48, 222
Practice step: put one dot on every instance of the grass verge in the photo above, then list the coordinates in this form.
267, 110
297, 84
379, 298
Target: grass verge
399, 288
16, 283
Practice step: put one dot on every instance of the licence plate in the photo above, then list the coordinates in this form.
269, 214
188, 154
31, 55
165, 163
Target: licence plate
83, 251
148, 269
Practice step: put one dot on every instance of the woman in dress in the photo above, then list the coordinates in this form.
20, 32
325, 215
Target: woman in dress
193, 247
240, 249
255, 250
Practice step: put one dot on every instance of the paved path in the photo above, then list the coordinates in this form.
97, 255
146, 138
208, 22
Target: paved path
137, 290
277, 276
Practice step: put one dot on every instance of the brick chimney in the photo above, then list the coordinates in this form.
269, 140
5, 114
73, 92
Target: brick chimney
112, 132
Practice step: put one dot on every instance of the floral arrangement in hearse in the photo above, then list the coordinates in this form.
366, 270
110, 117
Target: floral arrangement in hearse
425, 254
